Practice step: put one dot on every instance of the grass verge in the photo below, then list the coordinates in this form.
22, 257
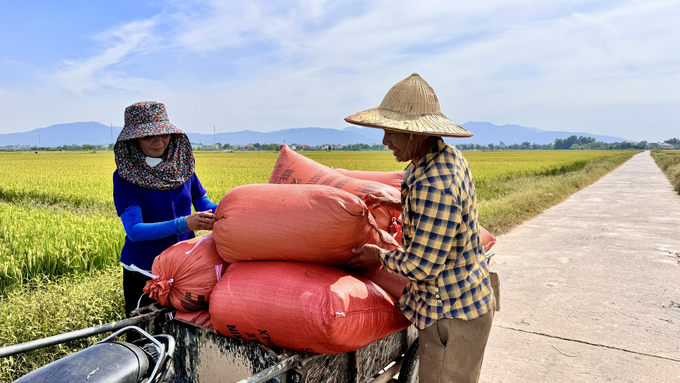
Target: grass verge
50, 307
504, 204
669, 162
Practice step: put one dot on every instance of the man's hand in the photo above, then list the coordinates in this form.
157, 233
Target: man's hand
382, 199
368, 256
201, 220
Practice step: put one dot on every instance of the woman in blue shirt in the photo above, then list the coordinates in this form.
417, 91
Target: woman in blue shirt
154, 187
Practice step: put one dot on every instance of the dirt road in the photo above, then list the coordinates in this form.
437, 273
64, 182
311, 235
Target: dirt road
590, 289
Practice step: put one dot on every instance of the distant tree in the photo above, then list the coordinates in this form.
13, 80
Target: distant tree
566, 143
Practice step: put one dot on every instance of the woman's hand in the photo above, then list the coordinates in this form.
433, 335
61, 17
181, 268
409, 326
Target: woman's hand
201, 220
383, 199
368, 256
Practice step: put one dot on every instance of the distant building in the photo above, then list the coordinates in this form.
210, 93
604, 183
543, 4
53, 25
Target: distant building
667, 146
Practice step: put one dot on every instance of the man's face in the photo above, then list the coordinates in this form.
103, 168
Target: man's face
398, 143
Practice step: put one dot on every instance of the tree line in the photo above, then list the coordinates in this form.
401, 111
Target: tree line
570, 143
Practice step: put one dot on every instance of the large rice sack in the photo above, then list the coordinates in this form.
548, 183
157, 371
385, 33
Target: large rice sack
302, 306
186, 273
318, 224
198, 317
394, 178
294, 168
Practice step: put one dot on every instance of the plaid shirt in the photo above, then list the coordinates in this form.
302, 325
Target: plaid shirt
442, 252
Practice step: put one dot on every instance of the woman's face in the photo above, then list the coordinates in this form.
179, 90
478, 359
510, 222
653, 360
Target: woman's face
154, 146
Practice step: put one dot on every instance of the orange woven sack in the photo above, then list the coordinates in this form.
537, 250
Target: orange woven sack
302, 306
186, 273
394, 178
198, 317
294, 168
318, 224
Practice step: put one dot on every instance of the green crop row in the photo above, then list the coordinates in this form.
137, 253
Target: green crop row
51, 306
38, 242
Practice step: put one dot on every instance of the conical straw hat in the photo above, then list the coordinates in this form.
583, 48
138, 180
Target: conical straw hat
410, 106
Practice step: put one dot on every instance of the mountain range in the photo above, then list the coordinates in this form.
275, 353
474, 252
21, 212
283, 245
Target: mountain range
95, 133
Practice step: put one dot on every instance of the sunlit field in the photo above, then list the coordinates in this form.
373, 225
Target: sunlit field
84, 180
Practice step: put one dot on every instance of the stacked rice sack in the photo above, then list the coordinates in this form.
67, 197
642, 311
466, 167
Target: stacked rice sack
185, 274
284, 242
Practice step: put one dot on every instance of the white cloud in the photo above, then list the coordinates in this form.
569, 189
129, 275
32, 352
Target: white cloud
120, 43
265, 65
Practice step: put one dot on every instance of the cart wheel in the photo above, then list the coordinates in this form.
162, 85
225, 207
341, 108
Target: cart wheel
409, 367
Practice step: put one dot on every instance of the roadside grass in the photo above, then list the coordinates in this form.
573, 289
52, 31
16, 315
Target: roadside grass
504, 204
669, 162
50, 306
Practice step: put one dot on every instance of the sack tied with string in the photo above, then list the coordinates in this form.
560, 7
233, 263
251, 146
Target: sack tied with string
302, 306
185, 274
271, 222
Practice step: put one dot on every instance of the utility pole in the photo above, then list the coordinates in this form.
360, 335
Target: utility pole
112, 132
214, 146
38, 140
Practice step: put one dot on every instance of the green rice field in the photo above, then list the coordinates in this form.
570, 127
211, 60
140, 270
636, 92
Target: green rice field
60, 238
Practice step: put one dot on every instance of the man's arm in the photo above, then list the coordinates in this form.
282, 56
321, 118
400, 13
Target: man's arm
436, 218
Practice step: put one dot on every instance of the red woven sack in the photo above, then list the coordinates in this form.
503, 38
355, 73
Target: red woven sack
198, 317
302, 306
294, 168
186, 273
318, 224
394, 178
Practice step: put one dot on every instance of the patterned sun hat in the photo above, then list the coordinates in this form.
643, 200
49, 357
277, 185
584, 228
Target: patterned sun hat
410, 106
146, 118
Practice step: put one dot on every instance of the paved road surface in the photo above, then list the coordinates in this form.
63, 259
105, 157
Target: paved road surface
590, 288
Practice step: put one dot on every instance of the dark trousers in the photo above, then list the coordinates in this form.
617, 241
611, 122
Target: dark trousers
133, 285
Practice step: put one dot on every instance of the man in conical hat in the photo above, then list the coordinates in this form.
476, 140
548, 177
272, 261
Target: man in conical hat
449, 296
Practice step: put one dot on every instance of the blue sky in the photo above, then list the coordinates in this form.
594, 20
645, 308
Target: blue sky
602, 67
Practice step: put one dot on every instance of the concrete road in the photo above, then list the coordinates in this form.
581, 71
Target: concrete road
590, 288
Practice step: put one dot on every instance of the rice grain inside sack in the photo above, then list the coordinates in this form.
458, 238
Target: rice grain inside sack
301, 306
318, 224
294, 168
186, 273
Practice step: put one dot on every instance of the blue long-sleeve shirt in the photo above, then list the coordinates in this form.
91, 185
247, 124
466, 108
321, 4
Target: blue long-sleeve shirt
155, 220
